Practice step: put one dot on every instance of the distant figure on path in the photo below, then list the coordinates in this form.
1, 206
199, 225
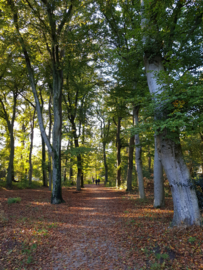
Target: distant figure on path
98, 181
93, 180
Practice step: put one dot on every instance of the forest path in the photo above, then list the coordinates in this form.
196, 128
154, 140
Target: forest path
91, 237
97, 228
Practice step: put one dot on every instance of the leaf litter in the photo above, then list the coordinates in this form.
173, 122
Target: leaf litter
97, 228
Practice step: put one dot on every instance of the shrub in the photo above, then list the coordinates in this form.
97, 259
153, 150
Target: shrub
68, 183
13, 200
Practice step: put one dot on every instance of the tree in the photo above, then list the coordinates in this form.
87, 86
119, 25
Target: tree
186, 210
52, 29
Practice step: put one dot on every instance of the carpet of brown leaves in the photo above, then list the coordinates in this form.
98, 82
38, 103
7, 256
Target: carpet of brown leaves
97, 228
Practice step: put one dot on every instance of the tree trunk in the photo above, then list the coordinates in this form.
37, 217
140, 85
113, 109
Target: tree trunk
50, 173
78, 183
158, 180
118, 178
186, 210
149, 160
71, 168
31, 146
130, 164
10, 173
57, 92
49, 136
82, 180
138, 160
64, 175
44, 173
105, 163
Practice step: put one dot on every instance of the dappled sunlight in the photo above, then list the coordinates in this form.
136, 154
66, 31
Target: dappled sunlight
106, 198
81, 208
89, 217
159, 211
41, 203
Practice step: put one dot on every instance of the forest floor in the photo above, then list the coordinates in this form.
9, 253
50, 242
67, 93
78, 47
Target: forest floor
97, 228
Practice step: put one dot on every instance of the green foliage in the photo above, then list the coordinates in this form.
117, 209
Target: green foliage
192, 239
111, 183
68, 183
13, 200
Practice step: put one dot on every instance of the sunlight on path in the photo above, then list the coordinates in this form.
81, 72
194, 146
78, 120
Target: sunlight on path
92, 244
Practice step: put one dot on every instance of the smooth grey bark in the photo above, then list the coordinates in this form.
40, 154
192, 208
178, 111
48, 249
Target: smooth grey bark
138, 159
186, 209
158, 179
130, 164
44, 173
32, 121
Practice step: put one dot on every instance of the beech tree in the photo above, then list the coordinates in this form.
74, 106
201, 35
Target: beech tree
52, 29
186, 210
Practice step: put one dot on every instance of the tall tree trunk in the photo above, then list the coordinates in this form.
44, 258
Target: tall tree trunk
49, 137
82, 179
79, 164
79, 174
138, 160
10, 173
149, 159
118, 140
186, 209
57, 92
105, 163
32, 121
71, 167
64, 175
44, 173
158, 180
130, 164
10, 124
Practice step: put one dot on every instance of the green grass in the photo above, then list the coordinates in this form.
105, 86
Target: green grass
13, 200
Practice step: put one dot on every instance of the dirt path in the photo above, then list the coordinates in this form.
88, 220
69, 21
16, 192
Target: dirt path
97, 228
93, 240
86, 232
